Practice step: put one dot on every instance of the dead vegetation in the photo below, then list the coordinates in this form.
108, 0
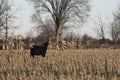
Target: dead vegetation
96, 64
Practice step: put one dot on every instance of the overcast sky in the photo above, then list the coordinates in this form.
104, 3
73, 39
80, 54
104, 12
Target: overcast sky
103, 8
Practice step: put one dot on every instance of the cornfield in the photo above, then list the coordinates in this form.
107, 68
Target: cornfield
91, 64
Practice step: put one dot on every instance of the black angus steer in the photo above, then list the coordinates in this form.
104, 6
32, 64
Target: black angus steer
39, 50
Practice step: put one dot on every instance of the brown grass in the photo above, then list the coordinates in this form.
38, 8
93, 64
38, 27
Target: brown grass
97, 64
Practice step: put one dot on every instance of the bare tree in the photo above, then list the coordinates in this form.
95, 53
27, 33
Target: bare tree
63, 12
100, 28
115, 26
4, 7
6, 17
46, 26
113, 33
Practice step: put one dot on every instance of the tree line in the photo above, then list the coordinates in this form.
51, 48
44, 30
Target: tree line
52, 17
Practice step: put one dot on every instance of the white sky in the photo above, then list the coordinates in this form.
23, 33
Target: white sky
102, 8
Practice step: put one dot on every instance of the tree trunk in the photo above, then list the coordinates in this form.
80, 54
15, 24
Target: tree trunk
58, 39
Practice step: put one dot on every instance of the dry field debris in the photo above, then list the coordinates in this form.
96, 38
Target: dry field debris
96, 64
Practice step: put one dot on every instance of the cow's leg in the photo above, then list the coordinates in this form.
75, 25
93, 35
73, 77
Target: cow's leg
43, 55
32, 52
44, 52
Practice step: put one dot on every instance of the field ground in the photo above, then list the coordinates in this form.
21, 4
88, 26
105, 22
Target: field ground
96, 64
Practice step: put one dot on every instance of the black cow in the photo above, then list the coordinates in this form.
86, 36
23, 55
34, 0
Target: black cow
39, 50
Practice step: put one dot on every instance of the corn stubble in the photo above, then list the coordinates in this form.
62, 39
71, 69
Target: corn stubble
97, 64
